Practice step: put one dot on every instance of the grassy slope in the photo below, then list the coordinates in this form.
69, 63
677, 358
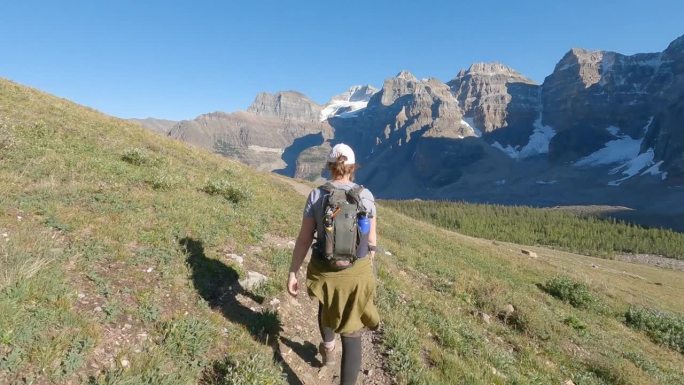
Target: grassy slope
82, 221
439, 278
94, 224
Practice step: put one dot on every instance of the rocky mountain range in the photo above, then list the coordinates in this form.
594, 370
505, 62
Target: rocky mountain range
602, 128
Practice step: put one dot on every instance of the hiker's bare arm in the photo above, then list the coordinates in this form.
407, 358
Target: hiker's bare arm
303, 243
373, 235
299, 253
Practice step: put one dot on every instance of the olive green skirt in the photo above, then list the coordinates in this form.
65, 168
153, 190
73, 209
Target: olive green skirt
346, 295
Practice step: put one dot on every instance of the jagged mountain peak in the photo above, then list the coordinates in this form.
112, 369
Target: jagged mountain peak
348, 103
406, 75
676, 44
493, 95
405, 83
579, 56
281, 94
675, 51
286, 105
357, 93
492, 69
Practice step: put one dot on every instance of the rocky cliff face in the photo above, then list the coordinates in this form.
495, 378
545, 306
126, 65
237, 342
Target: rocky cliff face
409, 106
268, 136
288, 105
666, 135
498, 101
667, 138
590, 91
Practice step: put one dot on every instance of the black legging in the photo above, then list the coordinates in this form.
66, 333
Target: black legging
351, 350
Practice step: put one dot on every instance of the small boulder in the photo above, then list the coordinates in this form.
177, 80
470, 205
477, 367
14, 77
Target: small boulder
508, 309
253, 280
532, 254
486, 318
236, 258
497, 373
568, 382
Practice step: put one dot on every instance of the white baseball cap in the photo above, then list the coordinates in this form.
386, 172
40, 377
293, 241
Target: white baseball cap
342, 149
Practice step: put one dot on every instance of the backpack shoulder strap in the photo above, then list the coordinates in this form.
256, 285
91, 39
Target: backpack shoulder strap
355, 194
327, 187
334, 195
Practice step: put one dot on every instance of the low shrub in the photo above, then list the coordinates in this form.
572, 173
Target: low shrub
253, 370
187, 338
7, 140
568, 290
231, 191
663, 328
135, 156
165, 182
576, 324
270, 288
516, 320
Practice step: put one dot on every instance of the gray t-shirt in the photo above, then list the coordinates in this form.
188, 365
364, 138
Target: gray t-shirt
314, 204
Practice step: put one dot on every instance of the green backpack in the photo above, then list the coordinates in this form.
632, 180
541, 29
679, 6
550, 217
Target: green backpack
342, 242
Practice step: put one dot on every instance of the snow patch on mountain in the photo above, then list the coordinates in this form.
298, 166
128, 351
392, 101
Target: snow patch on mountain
348, 103
622, 149
339, 108
626, 151
509, 150
655, 171
634, 166
470, 122
537, 144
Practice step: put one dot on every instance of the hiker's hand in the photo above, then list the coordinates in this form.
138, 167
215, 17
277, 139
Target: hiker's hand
292, 284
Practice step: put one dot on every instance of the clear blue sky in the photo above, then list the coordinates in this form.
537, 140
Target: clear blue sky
178, 59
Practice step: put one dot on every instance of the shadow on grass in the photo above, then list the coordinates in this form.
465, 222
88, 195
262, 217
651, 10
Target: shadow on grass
217, 284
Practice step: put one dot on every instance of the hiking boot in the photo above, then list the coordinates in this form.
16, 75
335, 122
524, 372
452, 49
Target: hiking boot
327, 355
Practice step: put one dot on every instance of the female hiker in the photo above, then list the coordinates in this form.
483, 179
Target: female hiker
342, 215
